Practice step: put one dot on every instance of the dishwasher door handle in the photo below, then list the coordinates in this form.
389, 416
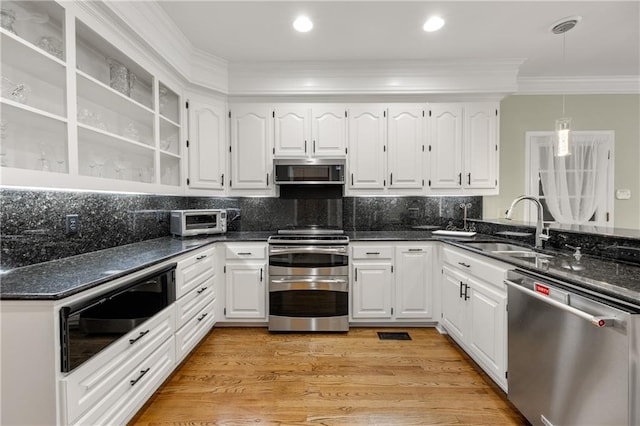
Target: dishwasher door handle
595, 320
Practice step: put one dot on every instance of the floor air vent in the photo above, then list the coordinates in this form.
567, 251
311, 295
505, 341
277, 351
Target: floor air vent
394, 336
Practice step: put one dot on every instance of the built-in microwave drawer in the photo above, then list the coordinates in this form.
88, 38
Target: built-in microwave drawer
90, 383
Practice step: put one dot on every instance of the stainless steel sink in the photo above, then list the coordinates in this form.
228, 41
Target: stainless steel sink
511, 250
500, 247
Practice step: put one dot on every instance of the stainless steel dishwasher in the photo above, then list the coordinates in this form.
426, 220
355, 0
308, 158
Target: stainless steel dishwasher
574, 357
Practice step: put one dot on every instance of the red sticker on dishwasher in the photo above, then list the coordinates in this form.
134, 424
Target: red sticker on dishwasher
542, 289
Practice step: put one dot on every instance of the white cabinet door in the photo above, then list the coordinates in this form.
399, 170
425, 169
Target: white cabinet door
372, 290
406, 125
367, 147
445, 131
454, 307
486, 330
246, 290
207, 145
480, 145
329, 131
414, 290
291, 126
251, 140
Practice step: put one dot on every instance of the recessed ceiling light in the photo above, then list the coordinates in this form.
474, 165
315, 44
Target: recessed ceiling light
433, 24
302, 24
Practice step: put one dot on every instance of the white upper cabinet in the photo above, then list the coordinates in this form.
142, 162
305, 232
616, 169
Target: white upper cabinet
302, 131
292, 131
78, 111
251, 145
481, 145
463, 148
406, 124
367, 147
445, 139
328, 131
207, 145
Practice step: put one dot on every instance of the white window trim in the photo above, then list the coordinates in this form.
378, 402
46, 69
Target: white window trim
531, 180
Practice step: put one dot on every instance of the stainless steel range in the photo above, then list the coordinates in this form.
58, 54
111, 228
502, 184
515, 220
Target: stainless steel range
309, 280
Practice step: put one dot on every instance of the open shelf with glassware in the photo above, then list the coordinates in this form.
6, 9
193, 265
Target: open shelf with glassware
83, 113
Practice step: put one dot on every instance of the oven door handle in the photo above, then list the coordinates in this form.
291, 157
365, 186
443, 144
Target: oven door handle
598, 321
302, 250
327, 284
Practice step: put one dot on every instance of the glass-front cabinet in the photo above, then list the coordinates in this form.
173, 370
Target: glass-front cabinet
80, 113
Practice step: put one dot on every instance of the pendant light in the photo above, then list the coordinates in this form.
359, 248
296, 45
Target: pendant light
563, 137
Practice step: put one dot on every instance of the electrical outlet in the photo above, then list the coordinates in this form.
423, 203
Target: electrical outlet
72, 224
413, 212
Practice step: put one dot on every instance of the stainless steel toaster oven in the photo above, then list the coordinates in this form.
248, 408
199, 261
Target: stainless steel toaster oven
187, 223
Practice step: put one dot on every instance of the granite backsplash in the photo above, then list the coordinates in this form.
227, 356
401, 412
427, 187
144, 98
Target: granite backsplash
32, 222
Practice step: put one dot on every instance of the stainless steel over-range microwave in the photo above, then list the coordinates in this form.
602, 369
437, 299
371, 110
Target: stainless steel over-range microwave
187, 223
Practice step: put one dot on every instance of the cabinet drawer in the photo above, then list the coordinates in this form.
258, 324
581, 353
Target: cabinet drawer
246, 252
126, 397
476, 265
193, 302
372, 252
90, 383
194, 270
194, 330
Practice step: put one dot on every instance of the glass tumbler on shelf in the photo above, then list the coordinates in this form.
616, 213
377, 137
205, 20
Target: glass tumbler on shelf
121, 79
8, 17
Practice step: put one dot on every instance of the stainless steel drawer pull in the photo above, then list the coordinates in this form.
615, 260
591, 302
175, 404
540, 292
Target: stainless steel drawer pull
142, 333
415, 249
461, 292
201, 290
201, 257
595, 320
466, 265
203, 316
245, 254
142, 373
373, 252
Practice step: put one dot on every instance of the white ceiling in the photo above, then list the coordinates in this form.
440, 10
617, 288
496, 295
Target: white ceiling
605, 43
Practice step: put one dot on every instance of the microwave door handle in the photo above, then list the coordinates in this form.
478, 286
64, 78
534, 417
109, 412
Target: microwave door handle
598, 321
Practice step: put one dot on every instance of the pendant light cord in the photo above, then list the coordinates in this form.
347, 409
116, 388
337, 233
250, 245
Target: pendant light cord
564, 38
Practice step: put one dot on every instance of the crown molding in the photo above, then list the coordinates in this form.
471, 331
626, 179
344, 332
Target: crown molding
373, 77
577, 85
156, 29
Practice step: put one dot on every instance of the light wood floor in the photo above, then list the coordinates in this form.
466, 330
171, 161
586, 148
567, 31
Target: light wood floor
243, 376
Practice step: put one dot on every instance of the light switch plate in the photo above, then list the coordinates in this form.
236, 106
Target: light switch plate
623, 194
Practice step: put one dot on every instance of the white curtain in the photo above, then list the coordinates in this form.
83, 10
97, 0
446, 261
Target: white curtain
574, 185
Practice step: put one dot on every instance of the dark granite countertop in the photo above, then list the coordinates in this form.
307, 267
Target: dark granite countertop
62, 278
617, 279
58, 279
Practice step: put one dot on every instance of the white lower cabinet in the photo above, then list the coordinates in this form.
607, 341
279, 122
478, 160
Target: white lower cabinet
104, 387
196, 294
125, 399
246, 282
392, 283
474, 304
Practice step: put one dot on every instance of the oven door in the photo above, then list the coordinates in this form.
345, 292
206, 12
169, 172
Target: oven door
308, 303
308, 260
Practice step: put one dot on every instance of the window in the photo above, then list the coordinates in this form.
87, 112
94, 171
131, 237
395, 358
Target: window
577, 189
